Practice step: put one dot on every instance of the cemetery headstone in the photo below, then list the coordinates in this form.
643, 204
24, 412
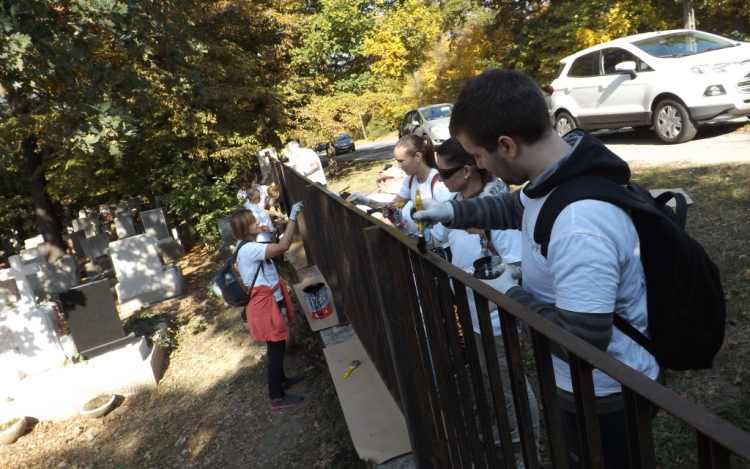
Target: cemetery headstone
95, 246
76, 244
93, 320
155, 223
33, 242
124, 225
142, 278
59, 276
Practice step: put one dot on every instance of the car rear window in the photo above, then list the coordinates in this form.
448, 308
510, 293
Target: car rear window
681, 44
437, 112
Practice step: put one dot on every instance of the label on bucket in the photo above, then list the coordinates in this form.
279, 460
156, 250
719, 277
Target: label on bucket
317, 298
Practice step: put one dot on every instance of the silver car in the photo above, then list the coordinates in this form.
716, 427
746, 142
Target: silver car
428, 122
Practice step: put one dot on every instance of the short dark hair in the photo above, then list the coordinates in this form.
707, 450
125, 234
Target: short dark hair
454, 154
413, 143
500, 102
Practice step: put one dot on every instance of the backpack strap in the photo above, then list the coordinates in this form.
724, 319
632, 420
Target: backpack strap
592, 187
632, 197
435, 179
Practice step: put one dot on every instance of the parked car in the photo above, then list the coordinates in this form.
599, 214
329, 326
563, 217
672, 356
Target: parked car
344, 143
673, 80
428, 122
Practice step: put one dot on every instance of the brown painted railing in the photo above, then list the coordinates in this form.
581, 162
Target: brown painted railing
401, 305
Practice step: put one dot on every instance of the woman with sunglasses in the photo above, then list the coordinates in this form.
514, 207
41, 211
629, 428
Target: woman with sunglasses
458, 171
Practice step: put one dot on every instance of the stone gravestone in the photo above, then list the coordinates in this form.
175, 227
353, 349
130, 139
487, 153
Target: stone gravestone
124, 224
29, 342
93, 320
25, 274
95, 246
86, 224
59, 276
76, 244
142, 278
155, 224
34, 254
227, 243
33, 242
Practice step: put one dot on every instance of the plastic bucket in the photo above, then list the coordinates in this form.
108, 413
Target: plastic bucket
317, 299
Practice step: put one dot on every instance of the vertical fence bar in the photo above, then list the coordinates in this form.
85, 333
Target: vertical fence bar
545, 372
518, 382
588, 421
394, 285
493, 371
638, 412
448, 363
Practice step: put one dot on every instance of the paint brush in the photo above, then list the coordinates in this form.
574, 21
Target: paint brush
421, 243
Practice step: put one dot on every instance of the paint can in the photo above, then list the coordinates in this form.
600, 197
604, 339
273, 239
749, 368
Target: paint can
317, 298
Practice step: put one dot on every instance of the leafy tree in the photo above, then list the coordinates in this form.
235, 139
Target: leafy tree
71, 74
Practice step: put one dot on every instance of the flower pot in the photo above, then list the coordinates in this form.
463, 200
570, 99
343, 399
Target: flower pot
13, 432
87, 410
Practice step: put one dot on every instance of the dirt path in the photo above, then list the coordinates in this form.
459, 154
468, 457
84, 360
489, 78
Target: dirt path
210, 408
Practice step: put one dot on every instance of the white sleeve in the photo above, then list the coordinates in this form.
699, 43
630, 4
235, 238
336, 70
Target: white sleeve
405, 191
508, 244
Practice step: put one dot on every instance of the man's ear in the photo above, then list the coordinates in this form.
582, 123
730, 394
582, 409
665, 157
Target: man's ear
507, 147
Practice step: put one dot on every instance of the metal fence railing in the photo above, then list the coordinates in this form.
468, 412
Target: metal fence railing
404, 308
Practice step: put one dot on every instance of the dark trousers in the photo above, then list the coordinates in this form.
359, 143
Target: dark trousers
275, 365
612, 431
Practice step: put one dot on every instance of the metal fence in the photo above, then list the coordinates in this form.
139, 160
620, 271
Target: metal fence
404, 308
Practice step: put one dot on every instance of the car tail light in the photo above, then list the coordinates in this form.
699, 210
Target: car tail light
550, 90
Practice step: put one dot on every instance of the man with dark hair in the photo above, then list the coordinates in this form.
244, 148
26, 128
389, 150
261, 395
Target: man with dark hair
592, 269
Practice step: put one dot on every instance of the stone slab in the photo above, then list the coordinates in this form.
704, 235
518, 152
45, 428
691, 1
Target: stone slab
59, 276
124, 225
92, 316
95, 246
155, 223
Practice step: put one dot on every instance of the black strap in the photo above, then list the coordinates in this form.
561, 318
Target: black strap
633, 197
260, 265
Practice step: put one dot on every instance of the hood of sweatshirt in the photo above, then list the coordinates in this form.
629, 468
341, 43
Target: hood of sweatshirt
588, 156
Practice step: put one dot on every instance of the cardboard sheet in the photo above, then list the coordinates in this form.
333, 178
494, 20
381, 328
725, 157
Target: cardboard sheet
376, 424
655, 192
316, 324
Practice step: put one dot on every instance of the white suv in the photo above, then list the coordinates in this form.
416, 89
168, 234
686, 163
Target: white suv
673, 80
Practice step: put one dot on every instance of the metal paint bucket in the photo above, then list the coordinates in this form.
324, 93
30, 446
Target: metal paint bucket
317, 298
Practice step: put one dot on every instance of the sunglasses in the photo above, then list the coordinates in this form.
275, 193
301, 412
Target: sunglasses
445, 173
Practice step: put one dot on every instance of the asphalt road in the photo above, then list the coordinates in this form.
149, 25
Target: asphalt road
714, 143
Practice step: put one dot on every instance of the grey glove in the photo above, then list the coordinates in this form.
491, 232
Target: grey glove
296, 208
359, 199
434, 212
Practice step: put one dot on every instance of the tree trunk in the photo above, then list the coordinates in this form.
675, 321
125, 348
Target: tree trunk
47, 222
688, 13
46, 219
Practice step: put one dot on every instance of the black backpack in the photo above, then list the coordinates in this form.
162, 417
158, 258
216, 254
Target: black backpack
230, 283
686, 308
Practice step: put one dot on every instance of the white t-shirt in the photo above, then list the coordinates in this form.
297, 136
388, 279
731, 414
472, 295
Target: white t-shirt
440, 192
264, 219
303, 159
466, 248
248, 260
590, 268
263, 194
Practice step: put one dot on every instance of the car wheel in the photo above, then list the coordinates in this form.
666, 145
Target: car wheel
354, 148
672, 122
564, 123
